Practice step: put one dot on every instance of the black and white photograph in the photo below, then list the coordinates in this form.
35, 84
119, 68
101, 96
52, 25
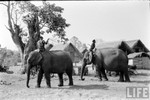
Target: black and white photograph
75, 50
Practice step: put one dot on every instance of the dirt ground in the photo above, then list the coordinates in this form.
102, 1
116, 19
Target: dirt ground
13, 87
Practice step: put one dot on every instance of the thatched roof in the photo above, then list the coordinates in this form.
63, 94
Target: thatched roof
115, 44
137, 44
83, 50
139, 54
69, 47
59, 47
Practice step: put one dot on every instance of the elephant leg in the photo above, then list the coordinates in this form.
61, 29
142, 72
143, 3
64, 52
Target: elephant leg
70, 77
47, 77
98, 72
117, 73
109, 73
104, 74
39, 78
121, 79
60, 75
93, 66
127, 79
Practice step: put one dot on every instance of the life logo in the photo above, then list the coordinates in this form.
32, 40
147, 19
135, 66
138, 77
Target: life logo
137, 92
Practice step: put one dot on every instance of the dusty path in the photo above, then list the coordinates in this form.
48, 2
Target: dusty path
13, 87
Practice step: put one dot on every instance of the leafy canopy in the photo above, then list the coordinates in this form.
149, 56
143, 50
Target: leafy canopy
49, 17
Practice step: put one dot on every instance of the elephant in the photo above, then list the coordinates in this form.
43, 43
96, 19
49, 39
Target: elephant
50, 62
110, 59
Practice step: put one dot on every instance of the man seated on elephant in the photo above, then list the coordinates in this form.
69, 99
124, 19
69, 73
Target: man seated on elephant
92, 49
41, 43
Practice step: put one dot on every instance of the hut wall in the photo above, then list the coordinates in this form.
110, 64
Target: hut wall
142, 63
146, 63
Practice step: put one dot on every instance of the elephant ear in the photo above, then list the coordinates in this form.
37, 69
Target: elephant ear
35, 58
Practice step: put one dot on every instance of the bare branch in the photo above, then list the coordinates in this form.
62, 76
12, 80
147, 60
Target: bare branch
42, 26
40, 20
13, 20
9, 18
11, 15
4, 4
8, 28
16, 16
19, 16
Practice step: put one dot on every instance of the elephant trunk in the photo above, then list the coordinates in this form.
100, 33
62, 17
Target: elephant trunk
82, 69
28, 75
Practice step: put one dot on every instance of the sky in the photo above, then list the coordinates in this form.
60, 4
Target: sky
106, 20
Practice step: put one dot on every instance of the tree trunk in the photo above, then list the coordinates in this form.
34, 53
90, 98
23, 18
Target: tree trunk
34, 34
18, 42
2, 58
28, 48
15, 31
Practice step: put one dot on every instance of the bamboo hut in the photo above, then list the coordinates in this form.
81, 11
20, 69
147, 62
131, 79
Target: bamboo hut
140, 59
148, 53
76, 56
137, 46
83, 51
115, 44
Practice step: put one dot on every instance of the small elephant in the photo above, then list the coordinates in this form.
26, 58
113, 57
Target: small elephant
50, 62
109, 59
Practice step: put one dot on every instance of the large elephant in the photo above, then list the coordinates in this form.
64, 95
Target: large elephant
50, 62
108, 59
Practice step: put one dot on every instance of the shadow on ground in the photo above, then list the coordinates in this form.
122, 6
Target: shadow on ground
143, 82
78, 87
143, 74
90, 87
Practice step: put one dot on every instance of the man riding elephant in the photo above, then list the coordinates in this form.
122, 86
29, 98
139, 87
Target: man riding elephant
49, 62
91, 50
41, 43
109, 59
41, 48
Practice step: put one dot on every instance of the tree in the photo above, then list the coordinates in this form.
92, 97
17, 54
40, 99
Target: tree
3, 54
8, 57
36, 19
75, 41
